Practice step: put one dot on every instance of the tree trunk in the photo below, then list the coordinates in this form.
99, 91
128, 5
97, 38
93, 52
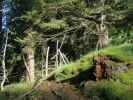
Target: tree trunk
103, 39
103, 34
29, 64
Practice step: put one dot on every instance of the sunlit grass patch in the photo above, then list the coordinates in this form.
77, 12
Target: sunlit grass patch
18, 88
108, 90
126, 77
14, 90
123, 52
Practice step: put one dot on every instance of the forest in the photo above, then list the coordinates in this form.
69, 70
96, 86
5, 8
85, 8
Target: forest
66, 49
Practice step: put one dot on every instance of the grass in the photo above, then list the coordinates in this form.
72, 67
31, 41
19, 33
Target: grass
123, 52
105, 90
108, 90
127, 77
18, 88
14, 90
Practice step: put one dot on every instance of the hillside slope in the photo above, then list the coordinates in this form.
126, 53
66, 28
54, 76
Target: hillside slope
118, 55
74, 81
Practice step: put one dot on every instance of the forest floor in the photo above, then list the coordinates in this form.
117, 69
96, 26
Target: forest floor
77, 81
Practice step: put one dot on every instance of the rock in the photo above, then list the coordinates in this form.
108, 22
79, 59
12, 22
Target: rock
120, 67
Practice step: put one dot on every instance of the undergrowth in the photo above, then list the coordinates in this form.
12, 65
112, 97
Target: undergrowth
102, 90
123, 52
108, 90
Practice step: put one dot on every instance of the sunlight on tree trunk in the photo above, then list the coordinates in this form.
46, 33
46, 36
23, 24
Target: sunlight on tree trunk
103, 36
29, 64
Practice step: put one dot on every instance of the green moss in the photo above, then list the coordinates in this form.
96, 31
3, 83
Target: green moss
18, 88
123, 52
14, 90
108, 90
126, 77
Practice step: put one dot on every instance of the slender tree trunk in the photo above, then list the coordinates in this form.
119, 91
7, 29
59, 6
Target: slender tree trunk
3, 61
103, 39
103, 34
29, 64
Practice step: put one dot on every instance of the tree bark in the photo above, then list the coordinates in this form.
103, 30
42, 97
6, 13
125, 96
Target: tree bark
29, 64
103, 37
103, 40
104, 31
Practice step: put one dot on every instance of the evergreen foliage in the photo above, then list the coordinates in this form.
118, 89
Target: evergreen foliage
36, 25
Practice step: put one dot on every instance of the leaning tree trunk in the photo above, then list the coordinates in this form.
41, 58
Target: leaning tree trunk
29, 64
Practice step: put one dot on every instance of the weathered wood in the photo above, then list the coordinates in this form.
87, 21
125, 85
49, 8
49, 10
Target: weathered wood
29, 64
